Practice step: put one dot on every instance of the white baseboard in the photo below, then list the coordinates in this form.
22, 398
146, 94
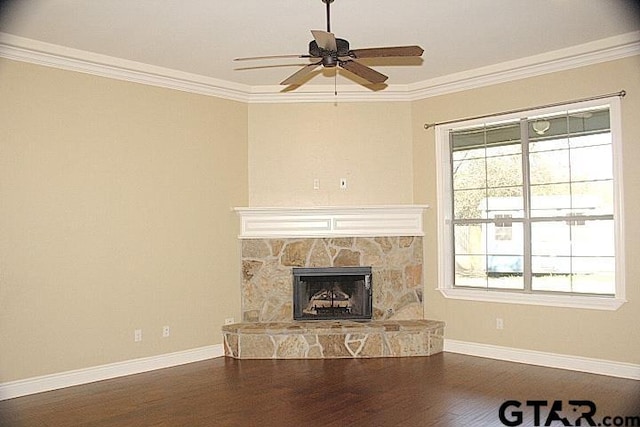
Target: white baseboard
27, 386
551, 360
40, 384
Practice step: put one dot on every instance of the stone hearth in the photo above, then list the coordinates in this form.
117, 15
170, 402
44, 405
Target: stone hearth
333, 339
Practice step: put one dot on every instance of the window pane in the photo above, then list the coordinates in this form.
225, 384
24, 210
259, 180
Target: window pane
593, 198
550, 200
505, 281
505, 201
588, 121
470, 259
549, 127
469, 204
505, 249
490, 255
551, 282
593, 238
501, 134
593, 262
549, 167
469, 240
504, 150
505, 271
599, 280
469, 154
593, 265
504, 171
591, 163
469, 173
548, 241
596, 282
504, 237
537, 145
573, 256
467, 272
578, 141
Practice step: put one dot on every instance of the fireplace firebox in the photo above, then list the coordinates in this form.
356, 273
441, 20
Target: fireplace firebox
332, 293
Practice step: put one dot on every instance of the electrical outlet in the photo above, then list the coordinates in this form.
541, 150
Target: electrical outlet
137, 335
229, 321
316, 184
499, 323
343, 183
165, 331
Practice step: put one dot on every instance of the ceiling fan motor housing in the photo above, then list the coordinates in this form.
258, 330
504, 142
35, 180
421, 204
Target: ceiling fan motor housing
329, 58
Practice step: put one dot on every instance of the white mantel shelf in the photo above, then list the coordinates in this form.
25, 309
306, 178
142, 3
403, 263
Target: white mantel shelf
331, 221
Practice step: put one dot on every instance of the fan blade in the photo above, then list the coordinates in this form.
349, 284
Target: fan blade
325, 40
379, 52
251, 58
363, 71
298, 76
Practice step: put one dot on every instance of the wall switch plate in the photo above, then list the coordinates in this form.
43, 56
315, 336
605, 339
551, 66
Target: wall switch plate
499, 323
343, 183
316, 184
137, 335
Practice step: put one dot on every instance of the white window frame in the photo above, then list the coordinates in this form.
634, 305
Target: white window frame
444, 218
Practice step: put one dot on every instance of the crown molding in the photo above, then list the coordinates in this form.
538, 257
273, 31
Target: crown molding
50, 55
56, 56
609, 49
324, 93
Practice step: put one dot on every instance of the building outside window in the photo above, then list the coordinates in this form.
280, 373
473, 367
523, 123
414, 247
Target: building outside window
530, 208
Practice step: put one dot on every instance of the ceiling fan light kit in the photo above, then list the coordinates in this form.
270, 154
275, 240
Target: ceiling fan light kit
331, 52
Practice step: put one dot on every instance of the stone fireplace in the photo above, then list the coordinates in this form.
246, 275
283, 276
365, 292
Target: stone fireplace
267, 273
382, 246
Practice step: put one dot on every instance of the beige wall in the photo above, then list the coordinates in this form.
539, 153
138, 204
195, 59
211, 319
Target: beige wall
115, 214
609, 335
369, 144
115, 209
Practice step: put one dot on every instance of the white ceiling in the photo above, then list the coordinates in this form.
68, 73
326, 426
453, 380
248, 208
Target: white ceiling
203, 36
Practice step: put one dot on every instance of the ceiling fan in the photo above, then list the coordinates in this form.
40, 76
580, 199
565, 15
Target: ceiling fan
331, 52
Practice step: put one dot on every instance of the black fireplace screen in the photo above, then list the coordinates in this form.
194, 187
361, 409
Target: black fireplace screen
332, 293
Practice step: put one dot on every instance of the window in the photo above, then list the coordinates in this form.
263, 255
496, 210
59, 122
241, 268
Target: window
529, 207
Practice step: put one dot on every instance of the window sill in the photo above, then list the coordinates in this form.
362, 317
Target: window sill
567, 301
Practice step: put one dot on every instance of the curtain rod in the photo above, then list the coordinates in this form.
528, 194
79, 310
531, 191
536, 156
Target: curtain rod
621, 94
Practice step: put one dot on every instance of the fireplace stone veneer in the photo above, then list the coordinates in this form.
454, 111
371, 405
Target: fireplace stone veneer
267, 279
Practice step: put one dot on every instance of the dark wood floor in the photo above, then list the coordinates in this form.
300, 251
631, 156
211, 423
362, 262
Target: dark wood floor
442, 390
